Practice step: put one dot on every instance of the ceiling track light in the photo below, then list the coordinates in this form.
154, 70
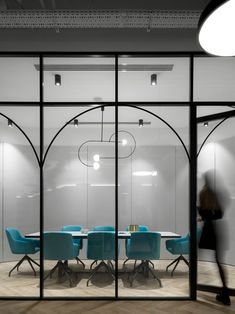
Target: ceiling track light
206, 124
75, 123
10, 123
57, 79
154, 79
141, 123
216, 28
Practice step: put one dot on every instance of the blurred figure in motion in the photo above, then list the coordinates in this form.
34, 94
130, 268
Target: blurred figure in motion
212, 203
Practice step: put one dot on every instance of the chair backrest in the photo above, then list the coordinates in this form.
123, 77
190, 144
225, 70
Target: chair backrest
14, 235
143, 228
71, 228
144, 245
181, 245
104, 228
101, 245
58, 246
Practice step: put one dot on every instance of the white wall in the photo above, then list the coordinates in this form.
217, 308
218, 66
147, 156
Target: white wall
75, 194
19, 194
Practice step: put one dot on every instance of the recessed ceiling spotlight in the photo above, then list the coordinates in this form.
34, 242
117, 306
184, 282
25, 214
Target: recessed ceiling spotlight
57, 79
154, 79
206, 124
141, 123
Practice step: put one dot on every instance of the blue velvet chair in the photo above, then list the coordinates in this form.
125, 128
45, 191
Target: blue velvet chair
142, 228
101, 246
59, 246
179, 246
79, 242
21, 245
103, 228
144, 246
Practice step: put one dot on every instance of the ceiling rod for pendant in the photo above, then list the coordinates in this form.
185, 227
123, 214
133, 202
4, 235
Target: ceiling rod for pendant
102, 122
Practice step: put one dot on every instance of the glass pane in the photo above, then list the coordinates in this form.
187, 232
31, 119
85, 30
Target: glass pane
216, 161
79, 79
12, 71
27, 118
153, 196
214, 79
19, 209
80, 191
153, 79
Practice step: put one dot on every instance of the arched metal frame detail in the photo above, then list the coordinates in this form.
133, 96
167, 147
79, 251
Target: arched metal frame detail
210, 134
25, 135
131, 106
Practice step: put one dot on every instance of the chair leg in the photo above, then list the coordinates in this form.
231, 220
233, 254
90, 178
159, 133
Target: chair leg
33, 261
63, 269
79, 261
30, 263
151, 263
146, 268
95, 270
24, 258
51, 271
94, 262
125, 261
16, 266
176, 262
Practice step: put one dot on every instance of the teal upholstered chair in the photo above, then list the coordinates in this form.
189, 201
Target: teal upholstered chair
21, 245
103, 228
180, 246
59, 246
142, 228
79, 242
144, 246
101, 247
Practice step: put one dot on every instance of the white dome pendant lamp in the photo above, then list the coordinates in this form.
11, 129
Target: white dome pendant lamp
216, 28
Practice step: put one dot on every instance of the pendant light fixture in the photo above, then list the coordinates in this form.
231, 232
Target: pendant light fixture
95, 159
216, 28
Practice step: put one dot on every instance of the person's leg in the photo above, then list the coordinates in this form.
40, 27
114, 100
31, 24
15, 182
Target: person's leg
224, 295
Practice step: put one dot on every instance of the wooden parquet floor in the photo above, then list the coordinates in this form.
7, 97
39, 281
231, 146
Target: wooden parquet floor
23, 283
205, 304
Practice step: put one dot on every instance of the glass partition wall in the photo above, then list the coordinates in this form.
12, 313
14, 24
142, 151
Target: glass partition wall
98, 173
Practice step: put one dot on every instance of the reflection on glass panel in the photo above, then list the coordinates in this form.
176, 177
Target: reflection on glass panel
216, 157
12, 71
153, 197
19, 257
79, 79
80, 197
153, 79
214, 79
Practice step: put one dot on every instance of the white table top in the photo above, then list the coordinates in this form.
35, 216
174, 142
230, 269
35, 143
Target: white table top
121, 234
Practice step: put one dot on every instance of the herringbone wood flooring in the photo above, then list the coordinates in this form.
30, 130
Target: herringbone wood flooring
206, 304
23, 283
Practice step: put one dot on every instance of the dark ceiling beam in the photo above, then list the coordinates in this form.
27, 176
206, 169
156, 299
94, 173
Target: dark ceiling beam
216, 116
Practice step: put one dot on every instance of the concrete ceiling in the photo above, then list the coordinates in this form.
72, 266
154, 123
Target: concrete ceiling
159, 38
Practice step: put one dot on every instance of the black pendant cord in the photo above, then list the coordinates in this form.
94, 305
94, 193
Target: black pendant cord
102, 122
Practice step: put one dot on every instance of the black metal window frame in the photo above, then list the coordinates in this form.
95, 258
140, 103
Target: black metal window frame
193, 121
